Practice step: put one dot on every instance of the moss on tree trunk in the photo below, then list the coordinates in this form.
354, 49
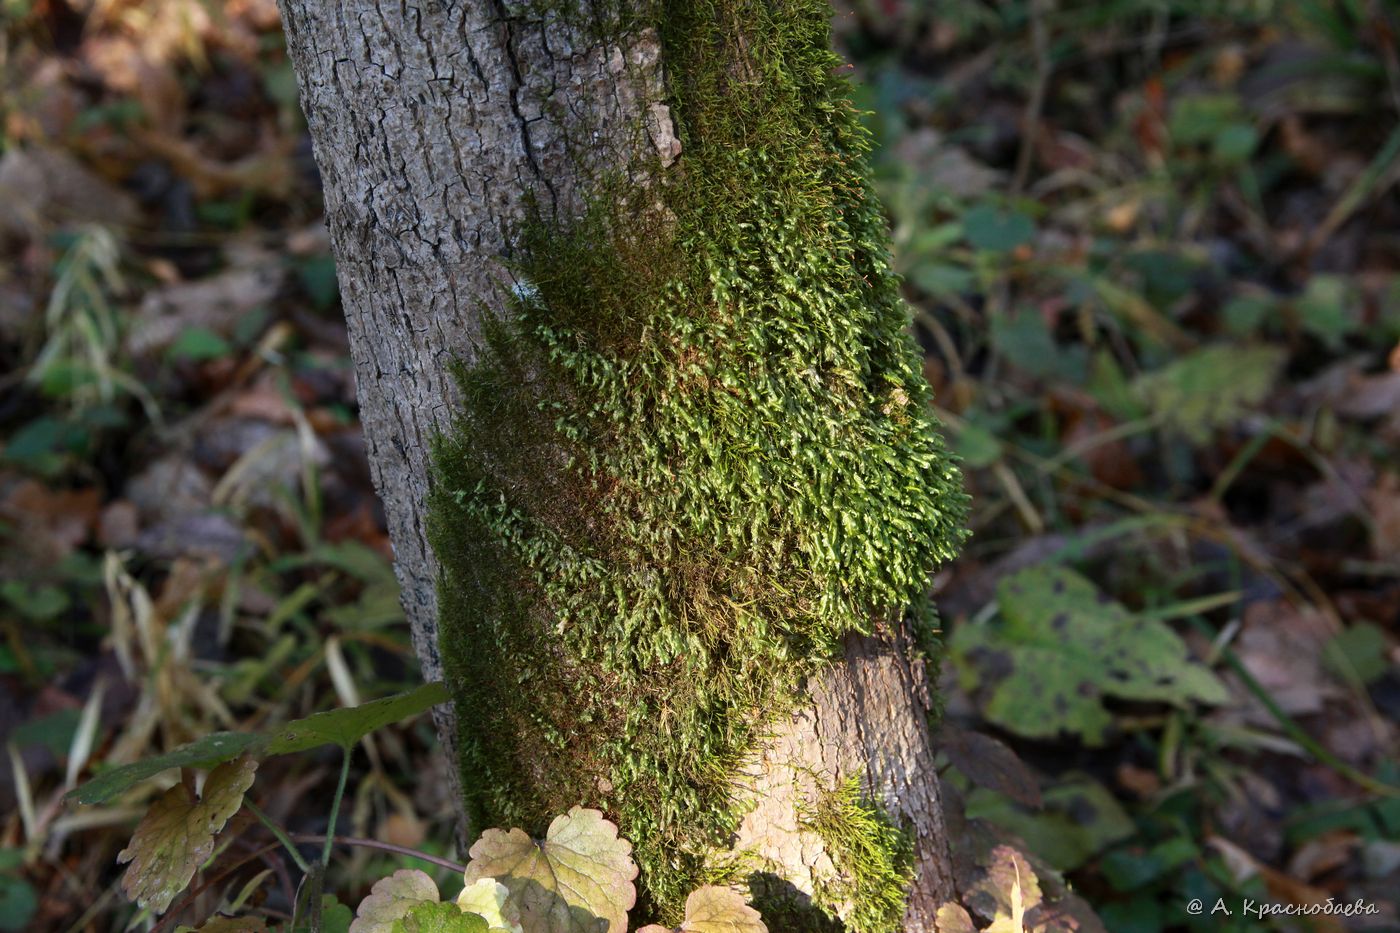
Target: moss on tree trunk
687, 491
694, 457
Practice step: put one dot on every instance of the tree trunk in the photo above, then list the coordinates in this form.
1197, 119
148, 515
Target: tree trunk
445, 132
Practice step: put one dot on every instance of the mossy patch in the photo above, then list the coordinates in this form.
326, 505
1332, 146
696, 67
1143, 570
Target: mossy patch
696, 454
874, 857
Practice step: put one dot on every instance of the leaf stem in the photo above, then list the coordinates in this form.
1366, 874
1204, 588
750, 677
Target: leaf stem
279, 833
452, 866
335, 807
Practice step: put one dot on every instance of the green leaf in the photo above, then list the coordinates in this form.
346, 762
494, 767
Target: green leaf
977, 446
1202, 119
207, 752
317, 275
39, 603
1210, 388
1130, 869
1079, 819
1234, 143
438, 918
997, 231
1023, 337
335, 916
578, 880
177, 834
1060, 647
18, 902
197, 344
1245, 314
1356, 653
941, 279
1325, 309
345, 727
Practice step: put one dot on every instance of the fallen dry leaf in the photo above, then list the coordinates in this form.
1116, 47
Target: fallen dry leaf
176, 835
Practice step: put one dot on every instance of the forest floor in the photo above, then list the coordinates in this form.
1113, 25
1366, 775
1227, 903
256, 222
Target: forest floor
1153, 252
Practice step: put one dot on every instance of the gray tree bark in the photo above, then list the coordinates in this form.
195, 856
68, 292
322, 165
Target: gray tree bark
431, 124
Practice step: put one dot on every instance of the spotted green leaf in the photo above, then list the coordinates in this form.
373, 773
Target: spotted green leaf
1060, 647
1210, 388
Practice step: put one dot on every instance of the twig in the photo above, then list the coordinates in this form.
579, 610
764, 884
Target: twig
1040, 43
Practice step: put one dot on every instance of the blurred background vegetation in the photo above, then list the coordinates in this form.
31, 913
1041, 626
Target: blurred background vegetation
1153, 252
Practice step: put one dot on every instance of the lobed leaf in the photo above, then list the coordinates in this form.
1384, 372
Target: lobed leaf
578, 880
715, 910
436, 917
486, 897
176, 835
393, 898
1008, 889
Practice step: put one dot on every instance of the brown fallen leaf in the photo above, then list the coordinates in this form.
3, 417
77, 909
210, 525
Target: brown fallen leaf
52, 523
988, 763
217, 304
43, 187
1282, 887
176, 835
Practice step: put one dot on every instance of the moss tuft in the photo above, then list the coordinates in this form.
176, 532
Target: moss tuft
697, 453
874, 858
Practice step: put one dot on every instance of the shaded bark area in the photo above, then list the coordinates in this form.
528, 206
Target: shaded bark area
434, 127
868, 717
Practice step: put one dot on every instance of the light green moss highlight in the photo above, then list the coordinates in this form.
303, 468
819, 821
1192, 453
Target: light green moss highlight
697, 454
874, 858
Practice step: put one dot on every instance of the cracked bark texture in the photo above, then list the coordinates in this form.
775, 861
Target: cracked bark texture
433, 125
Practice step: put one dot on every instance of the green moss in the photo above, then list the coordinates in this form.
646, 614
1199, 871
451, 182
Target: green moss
697, 454
874, 857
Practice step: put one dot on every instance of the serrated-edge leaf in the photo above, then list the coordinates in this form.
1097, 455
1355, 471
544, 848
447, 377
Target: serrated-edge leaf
486, 897
578, 880
177, 833
714, 909
392, 898
1067, 647
438, 917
